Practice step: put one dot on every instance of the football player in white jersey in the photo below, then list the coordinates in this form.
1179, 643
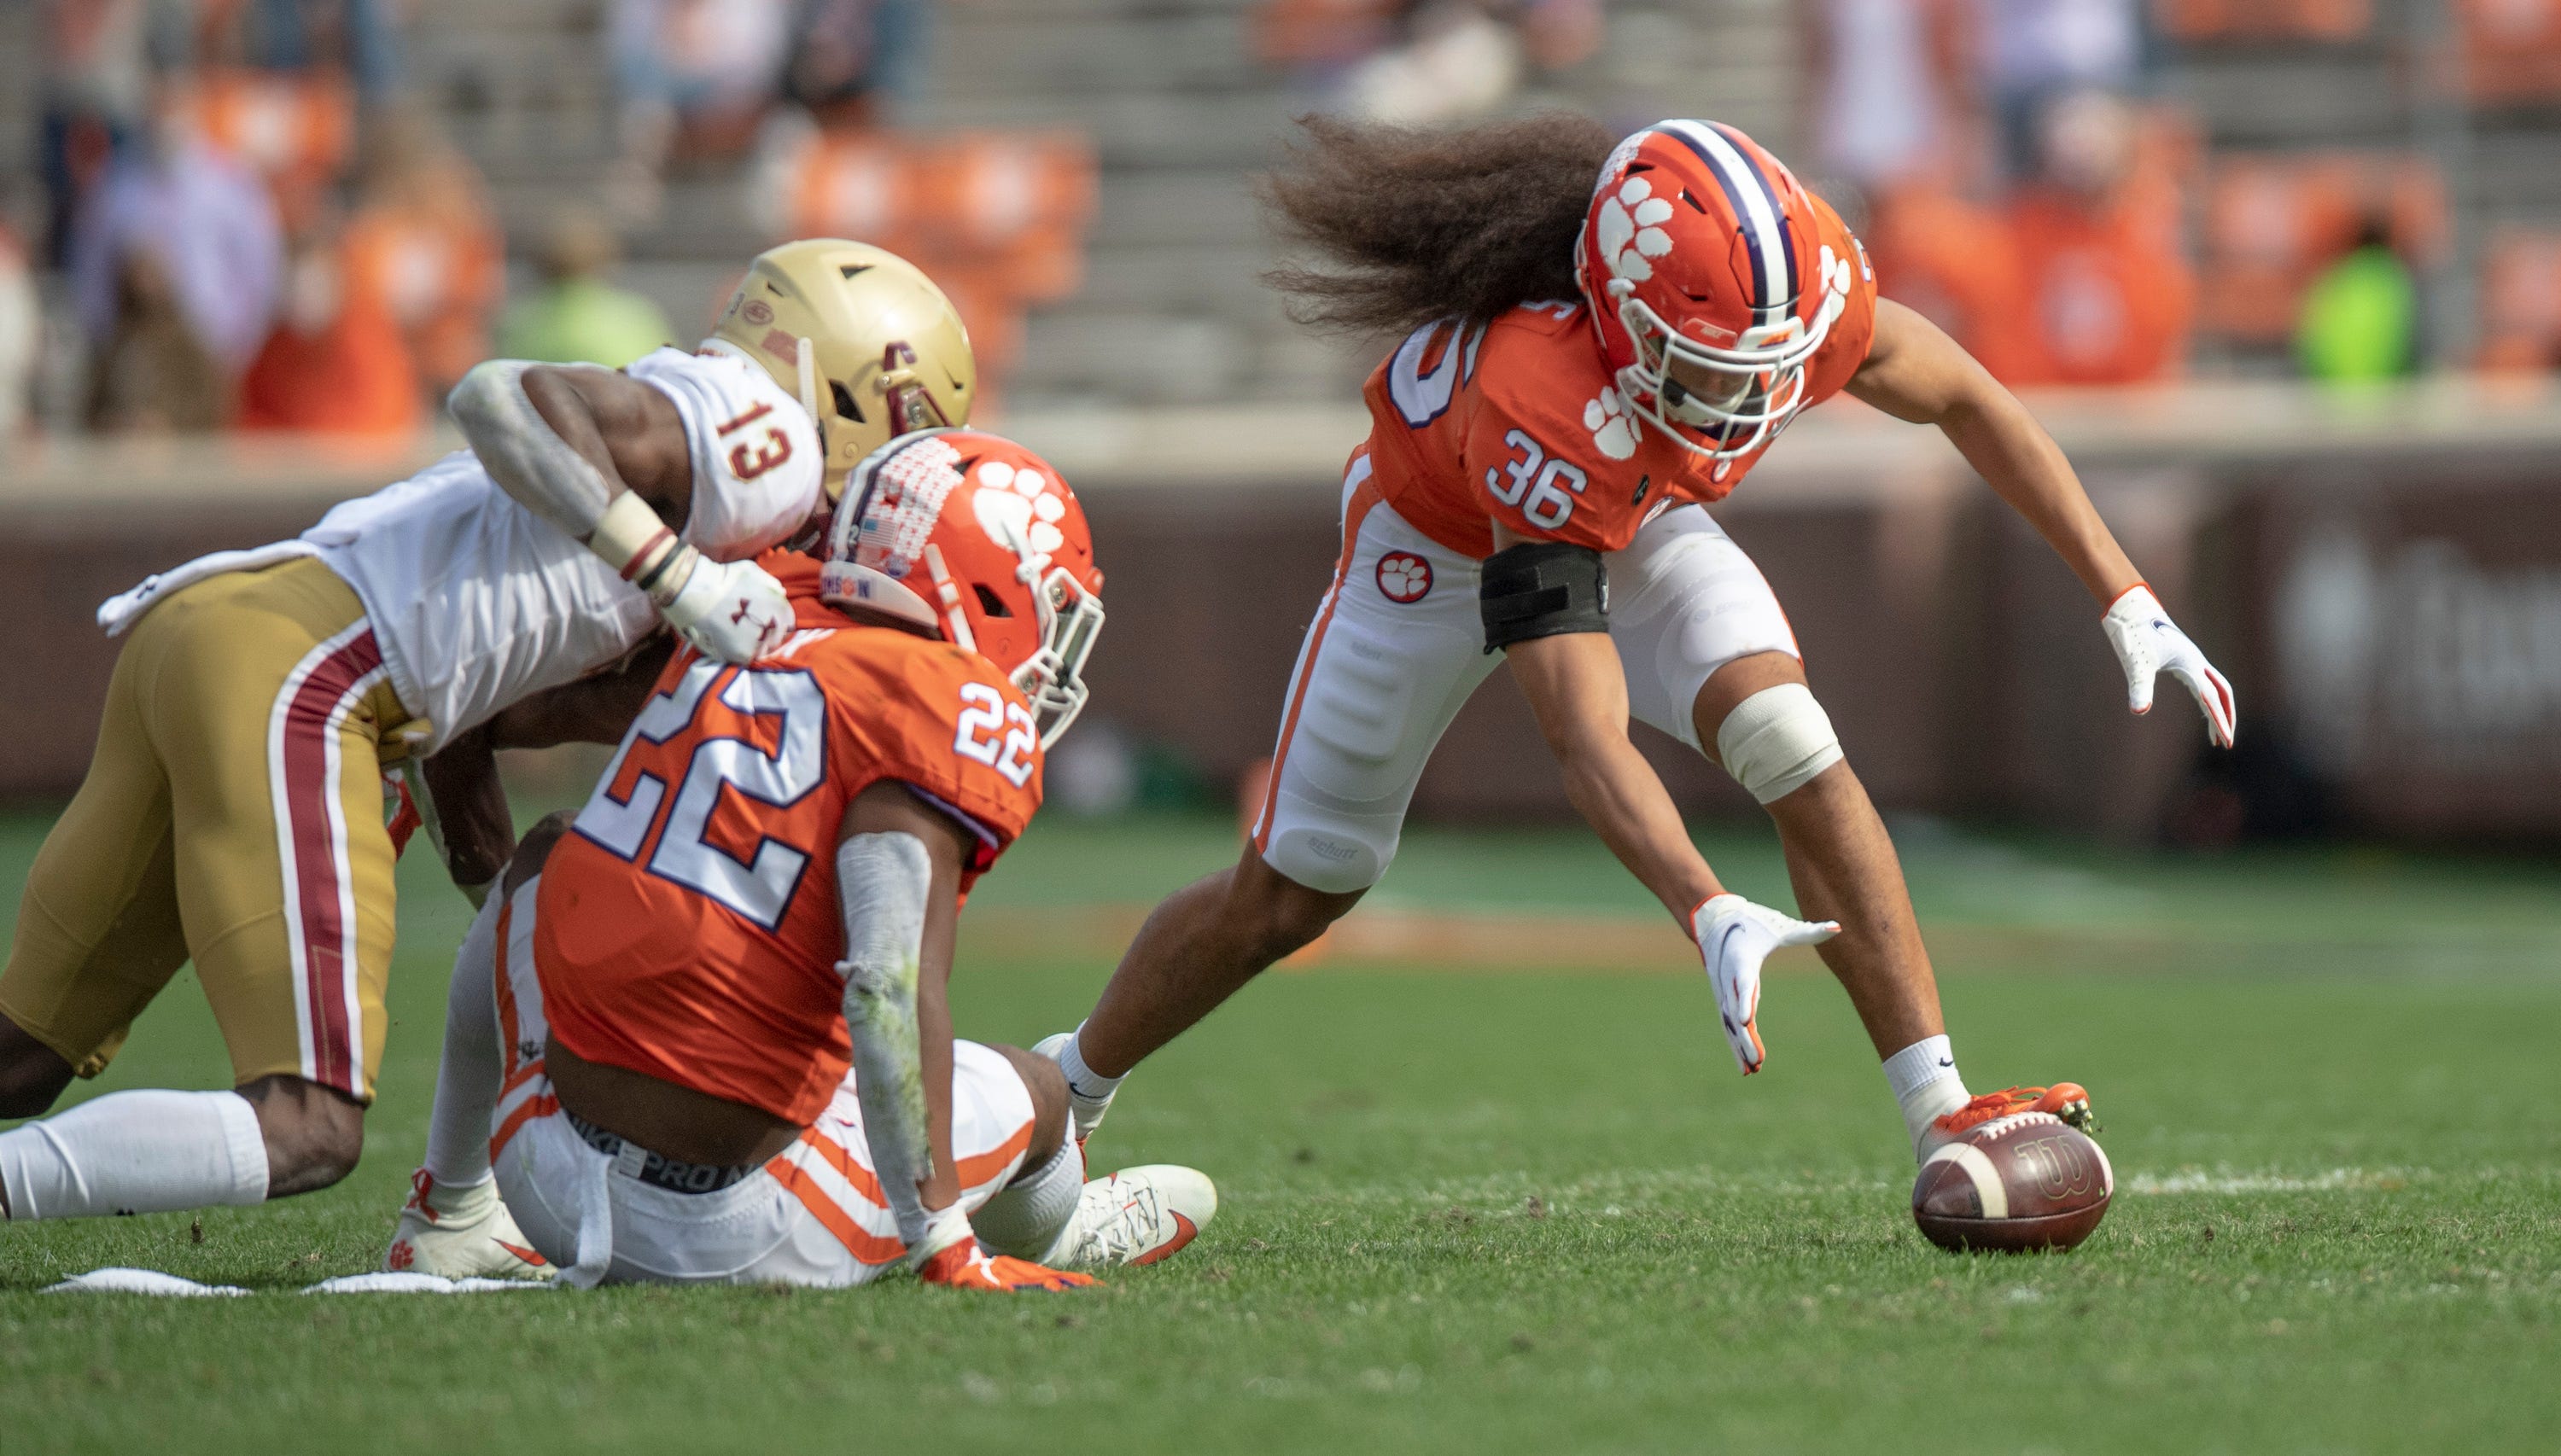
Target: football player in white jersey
234, 812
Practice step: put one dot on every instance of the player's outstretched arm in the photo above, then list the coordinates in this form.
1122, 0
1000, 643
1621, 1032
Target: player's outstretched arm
464, 805
1578, 693
603, 458
898, 877
1915, 372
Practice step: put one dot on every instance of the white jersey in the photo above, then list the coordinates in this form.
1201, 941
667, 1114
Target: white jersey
478, 602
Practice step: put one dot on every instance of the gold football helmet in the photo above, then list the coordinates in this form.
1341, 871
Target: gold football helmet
861, 336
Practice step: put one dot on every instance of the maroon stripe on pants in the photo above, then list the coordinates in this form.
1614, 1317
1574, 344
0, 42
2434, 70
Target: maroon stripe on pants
309, 790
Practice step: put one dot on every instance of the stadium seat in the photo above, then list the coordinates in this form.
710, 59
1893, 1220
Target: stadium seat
2511, 49
438, 278
2520, 301
2213, 21
2272, 220
998, 218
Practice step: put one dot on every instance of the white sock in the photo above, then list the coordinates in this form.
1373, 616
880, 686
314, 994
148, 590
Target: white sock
1926, 1084
150, 1152
1027, 1214
468, 1079
1082, 1079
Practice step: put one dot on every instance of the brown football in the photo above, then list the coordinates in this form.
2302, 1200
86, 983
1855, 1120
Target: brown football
2016, 1183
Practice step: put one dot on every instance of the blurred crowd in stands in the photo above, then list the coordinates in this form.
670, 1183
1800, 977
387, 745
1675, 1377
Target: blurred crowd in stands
259, 226
256, 221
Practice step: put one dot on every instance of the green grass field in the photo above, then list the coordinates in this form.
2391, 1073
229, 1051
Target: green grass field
1533, 1208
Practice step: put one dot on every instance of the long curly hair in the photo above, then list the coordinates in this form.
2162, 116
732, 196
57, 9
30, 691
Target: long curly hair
1408, 227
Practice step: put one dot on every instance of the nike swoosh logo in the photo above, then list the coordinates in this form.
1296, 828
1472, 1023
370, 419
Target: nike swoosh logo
1947, 1061
522, 1252
1184, 1233
1727, 938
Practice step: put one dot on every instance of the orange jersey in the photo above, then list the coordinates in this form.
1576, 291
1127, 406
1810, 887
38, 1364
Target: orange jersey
1520, 422
689, 924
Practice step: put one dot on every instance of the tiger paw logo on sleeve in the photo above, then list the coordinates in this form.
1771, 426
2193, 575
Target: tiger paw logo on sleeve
1614, 429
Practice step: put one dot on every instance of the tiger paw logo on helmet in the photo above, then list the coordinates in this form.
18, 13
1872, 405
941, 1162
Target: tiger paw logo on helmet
1614, 428
1018, 505
1629, 229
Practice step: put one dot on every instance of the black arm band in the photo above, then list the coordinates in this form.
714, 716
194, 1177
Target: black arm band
1542, 588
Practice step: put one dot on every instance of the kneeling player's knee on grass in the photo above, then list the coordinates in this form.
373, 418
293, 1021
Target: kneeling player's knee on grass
1776, 741
1048, 1086
314, 1134
32, 1074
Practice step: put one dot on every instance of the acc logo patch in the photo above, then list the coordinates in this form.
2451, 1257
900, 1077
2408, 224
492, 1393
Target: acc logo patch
757, 311
1404, 577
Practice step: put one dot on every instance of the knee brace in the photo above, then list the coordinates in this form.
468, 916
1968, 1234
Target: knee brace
1775, 741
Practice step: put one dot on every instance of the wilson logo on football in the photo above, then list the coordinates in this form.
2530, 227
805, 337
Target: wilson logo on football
1404, 577
2057, 1166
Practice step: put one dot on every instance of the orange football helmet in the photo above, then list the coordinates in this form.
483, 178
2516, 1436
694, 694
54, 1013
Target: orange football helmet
981, 541
1709, 283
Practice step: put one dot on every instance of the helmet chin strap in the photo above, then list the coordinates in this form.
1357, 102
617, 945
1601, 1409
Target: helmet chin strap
805, 355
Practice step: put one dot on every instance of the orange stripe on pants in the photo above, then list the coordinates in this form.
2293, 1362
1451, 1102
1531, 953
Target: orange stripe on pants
866, 1247
526, 1111
1363, 499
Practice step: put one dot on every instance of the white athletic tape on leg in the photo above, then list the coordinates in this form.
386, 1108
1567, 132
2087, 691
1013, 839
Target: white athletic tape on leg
1775, 741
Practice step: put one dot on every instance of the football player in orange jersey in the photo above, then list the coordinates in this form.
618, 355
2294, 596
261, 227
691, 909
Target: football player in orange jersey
702, 1034
1603, 337
233, 813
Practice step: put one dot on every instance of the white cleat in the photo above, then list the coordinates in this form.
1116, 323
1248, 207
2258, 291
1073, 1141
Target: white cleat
460, 1234
1137, 1215
1088, 1111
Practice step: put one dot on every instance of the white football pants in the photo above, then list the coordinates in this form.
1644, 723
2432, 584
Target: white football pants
814, 1215
1397, 646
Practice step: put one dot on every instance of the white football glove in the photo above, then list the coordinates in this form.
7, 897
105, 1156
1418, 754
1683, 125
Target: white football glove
1734, 938
734, 611
2147, 643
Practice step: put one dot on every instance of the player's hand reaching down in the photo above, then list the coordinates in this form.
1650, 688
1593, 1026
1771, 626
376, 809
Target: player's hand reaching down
1734, 938
2148, 643
734, 611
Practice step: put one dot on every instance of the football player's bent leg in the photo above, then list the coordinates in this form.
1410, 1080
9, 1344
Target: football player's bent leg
99, 933
313, 1134
1389, 661
1196, 950
1770, 733
1053, 1215
453, 1224
32, 1074
1026, 1215
1712, 661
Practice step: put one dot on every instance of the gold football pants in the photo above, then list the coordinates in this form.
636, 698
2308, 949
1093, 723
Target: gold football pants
233, 813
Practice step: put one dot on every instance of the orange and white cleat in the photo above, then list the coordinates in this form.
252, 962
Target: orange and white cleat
2066, 1100
1137, 1215
460, 1234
